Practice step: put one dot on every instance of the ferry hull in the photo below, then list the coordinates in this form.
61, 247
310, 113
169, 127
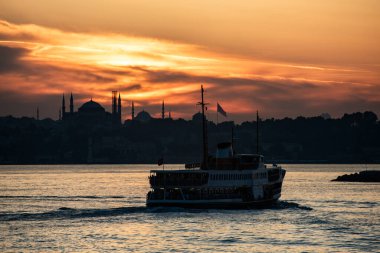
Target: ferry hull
216, 204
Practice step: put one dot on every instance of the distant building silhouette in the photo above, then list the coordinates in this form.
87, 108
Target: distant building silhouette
71, 104
92, 112
163, 110
326, 115
63, 107
116, 108
119, 110
133, 110
143, 116
198, 117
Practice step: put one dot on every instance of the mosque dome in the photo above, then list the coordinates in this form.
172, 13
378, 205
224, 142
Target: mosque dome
91, 106
197, 117
143, 116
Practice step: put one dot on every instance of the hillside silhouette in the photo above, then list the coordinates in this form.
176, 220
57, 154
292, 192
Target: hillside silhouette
353, 138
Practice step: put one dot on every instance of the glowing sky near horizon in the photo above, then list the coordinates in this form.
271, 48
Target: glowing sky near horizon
283, 58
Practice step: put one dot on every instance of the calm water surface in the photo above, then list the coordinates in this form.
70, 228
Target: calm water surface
76, 208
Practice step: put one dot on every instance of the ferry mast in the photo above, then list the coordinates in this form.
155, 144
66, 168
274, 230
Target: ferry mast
204, 132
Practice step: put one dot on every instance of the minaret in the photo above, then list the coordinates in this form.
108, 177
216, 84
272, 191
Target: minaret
60, 115
163, 110
71, 104
114, 93
133, 110
38, 113
119, 108
63, 107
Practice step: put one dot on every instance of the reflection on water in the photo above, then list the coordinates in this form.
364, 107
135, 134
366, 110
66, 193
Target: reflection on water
102, 208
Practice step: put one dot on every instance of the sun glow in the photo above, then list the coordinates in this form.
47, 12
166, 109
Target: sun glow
51, 61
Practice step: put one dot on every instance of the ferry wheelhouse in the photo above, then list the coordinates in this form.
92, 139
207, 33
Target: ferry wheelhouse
227, 180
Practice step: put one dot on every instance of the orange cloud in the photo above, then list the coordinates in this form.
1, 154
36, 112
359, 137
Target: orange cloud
40, 63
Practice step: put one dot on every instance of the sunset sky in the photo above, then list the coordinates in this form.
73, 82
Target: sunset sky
283, 58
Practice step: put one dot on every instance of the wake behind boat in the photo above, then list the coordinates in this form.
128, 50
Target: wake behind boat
228, 180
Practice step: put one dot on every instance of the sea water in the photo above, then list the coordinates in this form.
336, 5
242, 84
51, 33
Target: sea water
101, 208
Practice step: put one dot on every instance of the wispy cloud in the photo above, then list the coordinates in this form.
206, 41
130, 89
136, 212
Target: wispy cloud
38, 64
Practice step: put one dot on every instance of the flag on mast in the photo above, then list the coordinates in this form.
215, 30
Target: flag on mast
220, 110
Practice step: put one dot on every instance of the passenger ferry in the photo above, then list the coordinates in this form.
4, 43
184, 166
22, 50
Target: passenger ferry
228, 180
